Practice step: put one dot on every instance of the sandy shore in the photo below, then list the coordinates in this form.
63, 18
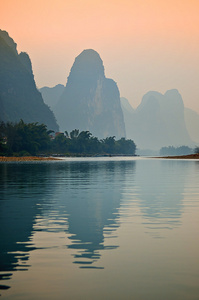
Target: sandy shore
190, 156
36, 158
26, 158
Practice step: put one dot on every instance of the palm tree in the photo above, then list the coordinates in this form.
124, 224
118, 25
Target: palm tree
74, 134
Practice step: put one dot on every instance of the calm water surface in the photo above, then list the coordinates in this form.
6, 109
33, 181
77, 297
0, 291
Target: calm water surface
103, 228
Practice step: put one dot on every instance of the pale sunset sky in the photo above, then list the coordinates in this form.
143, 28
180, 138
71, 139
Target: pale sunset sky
144, 44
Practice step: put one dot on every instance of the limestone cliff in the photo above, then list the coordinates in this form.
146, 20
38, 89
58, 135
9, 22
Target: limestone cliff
19, 97
90, 101
158, 121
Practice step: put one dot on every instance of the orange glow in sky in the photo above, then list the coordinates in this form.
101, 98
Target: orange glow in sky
144, 44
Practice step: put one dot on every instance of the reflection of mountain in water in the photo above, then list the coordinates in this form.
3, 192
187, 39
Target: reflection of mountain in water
161, 187
93, 207
86, 195
91, 195
21, 190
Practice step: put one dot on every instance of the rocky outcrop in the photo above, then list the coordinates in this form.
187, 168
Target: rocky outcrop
19, 97
158, 121
90, 101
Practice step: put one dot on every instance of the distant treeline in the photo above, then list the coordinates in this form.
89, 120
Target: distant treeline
196, 150
173, 151
23, 139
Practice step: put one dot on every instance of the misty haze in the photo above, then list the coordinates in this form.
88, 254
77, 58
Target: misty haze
99, 150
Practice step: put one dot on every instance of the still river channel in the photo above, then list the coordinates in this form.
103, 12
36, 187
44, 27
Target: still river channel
99, 228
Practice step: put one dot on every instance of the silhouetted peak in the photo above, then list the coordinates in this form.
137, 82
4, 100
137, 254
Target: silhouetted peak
59, 86
89, 56
171, 99
87, 63
90, 101
126, 105
51, 95
173, 92
25, 60
150, 100
151, 95
158, 121
19, 96
9, 41
174, 98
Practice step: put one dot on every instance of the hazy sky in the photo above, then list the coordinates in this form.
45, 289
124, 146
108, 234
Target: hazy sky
144, 44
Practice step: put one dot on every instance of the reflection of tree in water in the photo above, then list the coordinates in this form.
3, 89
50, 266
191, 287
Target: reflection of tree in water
92, 204
161, 187
21, 189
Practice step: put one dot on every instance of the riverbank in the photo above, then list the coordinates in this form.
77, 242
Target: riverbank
26, 158
38, 158
190, 156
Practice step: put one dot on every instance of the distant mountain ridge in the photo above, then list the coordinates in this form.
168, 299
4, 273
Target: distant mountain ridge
90, 101
158, 121
192, 123
51, 95
19, 97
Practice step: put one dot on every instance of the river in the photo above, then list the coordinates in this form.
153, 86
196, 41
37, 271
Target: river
99, 228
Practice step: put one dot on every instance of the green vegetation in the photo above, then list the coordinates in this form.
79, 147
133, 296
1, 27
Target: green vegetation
22, 139
83, 143
196, 150
182, 150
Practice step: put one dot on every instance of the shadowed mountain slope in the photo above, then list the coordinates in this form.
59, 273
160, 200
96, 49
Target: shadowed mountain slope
90, 101
19, 97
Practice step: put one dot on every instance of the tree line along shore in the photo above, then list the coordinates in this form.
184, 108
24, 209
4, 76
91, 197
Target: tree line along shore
33, 139
25, 158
